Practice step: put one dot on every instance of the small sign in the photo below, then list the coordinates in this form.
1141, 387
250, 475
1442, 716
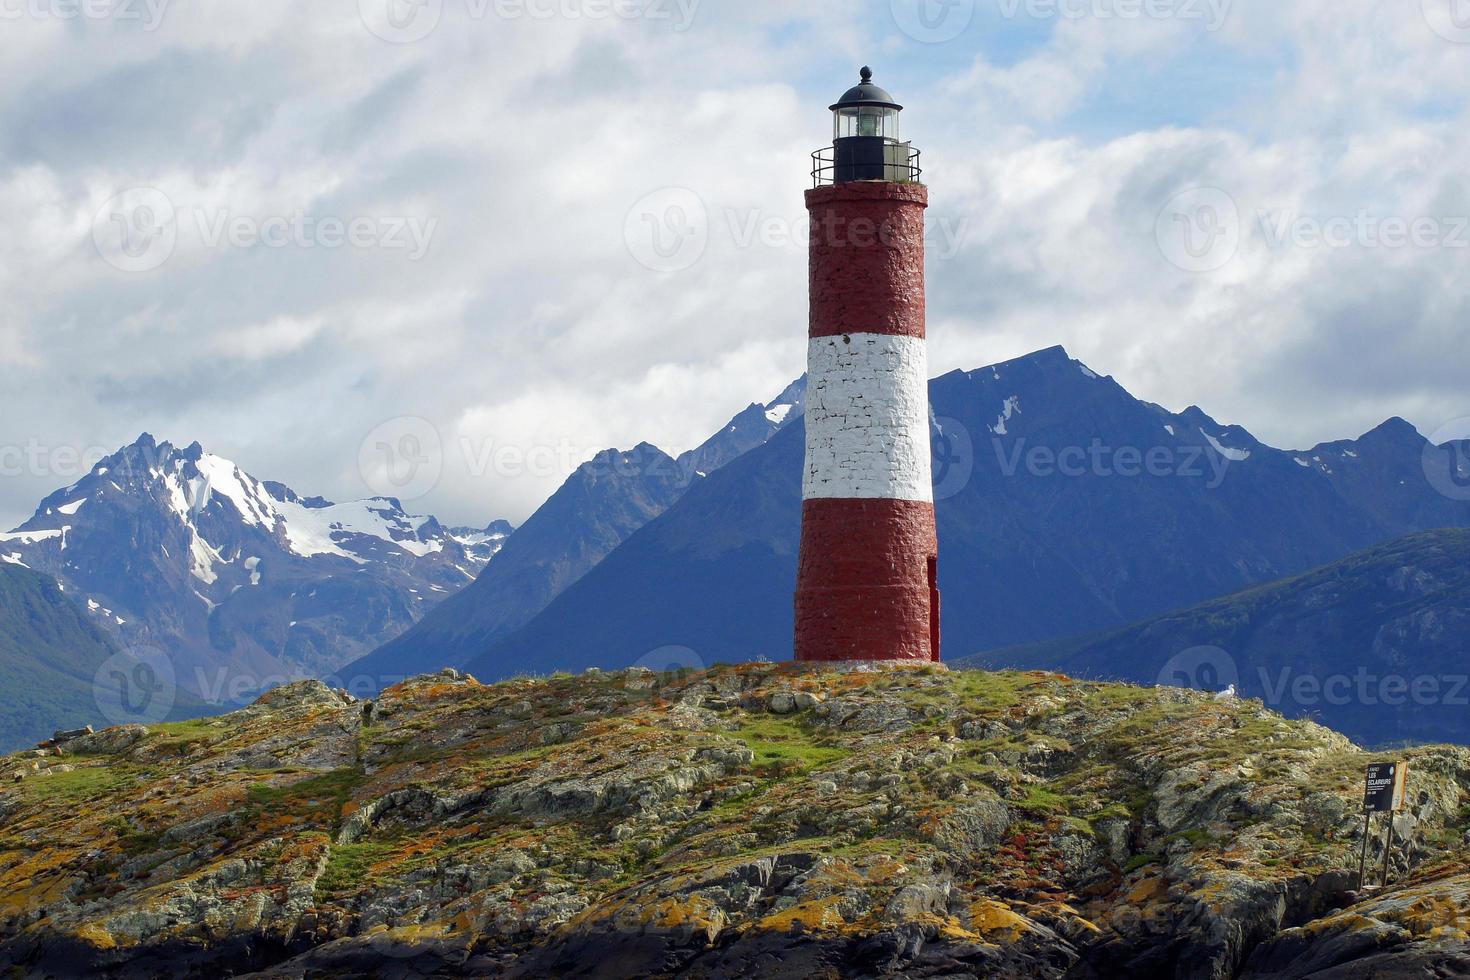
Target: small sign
1387, 790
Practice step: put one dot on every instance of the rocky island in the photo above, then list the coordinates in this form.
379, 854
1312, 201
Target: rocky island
760, 820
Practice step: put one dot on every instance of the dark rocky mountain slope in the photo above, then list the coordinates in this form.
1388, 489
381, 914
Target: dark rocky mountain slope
599, 507
1373, 645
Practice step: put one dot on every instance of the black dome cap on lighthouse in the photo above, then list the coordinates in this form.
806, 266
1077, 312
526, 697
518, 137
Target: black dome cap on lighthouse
865, 93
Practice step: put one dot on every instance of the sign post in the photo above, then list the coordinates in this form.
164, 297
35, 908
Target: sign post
1386, 791
1363, 861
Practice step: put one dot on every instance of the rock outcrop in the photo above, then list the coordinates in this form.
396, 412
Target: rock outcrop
760, 820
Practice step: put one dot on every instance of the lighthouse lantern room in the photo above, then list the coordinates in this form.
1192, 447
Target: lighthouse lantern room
866, 144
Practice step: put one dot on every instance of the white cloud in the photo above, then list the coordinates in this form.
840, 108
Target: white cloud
530, 320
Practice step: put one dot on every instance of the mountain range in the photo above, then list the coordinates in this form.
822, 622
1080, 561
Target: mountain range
1066, 506
599, 507
242, 583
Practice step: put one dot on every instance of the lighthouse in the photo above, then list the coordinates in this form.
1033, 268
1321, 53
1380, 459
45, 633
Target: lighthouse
867, 586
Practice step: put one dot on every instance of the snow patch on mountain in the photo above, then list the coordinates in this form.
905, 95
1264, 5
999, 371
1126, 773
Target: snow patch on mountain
32, 537
1008, 411
202, 559
1234, 455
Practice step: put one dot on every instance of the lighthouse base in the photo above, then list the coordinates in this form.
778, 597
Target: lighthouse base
866, 587
865, 666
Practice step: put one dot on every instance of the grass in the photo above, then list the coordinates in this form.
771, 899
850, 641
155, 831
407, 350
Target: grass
1040, 800
784, 745
348, 865
992, 692
180, 735
133, 842
195, 728
1114, 811
81, 785
319, 799
1197, 836
1079, 826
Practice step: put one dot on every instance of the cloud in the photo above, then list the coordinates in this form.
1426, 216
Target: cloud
616, 251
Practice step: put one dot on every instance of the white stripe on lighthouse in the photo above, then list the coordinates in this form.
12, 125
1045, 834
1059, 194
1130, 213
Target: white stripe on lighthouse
867, 419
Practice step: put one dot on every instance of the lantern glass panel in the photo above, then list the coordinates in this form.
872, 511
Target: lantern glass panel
869, 121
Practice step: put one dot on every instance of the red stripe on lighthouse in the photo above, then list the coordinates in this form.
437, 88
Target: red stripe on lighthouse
865, 591
867, 258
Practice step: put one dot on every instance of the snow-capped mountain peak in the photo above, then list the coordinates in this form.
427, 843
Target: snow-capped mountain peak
191, 552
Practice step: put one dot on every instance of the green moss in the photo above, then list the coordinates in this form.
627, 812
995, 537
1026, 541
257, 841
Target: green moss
318, 799
1078, 825
183, 736
784, 745
193, 729
1140, 861
1198, 836
132, 841
1040, 800
992, 692
81, 785
348, 866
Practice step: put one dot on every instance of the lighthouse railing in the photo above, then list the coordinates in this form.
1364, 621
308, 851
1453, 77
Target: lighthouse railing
901, 165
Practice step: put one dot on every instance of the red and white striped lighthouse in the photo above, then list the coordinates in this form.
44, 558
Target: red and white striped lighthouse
866, 585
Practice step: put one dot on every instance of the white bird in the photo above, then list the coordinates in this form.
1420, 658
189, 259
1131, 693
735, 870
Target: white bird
1226, 695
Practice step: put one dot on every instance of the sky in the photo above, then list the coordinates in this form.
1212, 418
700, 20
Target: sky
448, 249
